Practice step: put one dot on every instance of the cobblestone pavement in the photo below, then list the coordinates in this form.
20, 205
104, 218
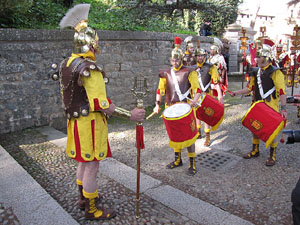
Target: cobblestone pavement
7, 216
56, 173
246, 188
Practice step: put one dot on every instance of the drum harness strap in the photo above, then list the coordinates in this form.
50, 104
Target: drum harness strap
177, 89
261, 91
201, 83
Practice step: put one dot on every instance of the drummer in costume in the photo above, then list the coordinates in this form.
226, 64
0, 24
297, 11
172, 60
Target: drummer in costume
189, 56
82, 87
267, 84
217, 59
207, 75
176, 83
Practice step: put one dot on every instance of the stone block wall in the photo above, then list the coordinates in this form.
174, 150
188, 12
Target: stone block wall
28, 97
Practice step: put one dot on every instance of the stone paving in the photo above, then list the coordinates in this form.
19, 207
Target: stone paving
245, 188
55, 172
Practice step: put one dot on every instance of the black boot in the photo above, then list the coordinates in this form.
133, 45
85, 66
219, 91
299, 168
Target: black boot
199, 132
192, 167
81, 201
253, 153
177, 162
271, 159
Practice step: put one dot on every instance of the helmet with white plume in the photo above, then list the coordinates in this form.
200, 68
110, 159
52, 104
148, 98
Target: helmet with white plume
189, 43
265, 49
85, 37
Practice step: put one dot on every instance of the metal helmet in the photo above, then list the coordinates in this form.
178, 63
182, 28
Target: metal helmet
214, 47
265, 49
189, 43
85, 37
200, 51
177, 53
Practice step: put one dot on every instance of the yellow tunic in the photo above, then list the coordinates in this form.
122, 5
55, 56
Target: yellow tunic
91, 141
278, 79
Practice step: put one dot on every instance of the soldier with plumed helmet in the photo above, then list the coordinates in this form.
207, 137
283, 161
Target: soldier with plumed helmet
217, 59
207, 75
178, 84
267, 84
83, 91
189, 56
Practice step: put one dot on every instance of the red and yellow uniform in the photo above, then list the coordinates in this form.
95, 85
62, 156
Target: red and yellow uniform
207, 75
277, 78
273, 87
87, 135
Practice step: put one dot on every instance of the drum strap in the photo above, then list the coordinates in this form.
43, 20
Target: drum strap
201, 83
177, 89
261, 90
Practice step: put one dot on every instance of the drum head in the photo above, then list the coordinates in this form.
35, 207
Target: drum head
177, 110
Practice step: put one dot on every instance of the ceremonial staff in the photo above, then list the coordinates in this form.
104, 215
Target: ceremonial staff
139, 90
243, 47
296, 46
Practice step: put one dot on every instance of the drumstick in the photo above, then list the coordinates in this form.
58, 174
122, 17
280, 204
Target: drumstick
152, 114
192, 100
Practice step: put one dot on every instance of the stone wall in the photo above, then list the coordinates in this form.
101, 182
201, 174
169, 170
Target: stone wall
29, 98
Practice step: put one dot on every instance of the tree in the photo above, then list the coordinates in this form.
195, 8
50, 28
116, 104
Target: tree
219, 12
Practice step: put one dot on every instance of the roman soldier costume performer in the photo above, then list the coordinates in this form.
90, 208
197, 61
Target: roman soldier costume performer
189, 56
267, 85
177, 84
83, 91
217, 59
207, 75
293, 68
283, 60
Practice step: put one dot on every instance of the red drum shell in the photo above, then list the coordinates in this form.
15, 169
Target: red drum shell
263, 121
211, 111
182, 130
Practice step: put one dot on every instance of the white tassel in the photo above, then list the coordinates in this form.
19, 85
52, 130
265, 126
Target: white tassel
75, 15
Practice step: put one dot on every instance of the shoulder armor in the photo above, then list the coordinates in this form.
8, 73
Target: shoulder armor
162, 73
85, 68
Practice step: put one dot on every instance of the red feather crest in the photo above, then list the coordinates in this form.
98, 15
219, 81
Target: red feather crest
177, 40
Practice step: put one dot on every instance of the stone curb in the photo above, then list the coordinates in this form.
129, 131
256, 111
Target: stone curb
31, 204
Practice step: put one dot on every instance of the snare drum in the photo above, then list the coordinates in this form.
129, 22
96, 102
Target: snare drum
211, 111
263, 121
181, 126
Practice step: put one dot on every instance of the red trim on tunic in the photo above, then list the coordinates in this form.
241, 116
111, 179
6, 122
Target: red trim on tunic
108, 150
158, 91
96, 105
109, 101
281, 92
199, 90
93, 133
78, 157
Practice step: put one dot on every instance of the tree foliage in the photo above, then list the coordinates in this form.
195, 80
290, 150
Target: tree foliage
31, 14
219, 12
182, 16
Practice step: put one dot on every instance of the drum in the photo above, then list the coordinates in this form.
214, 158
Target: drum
263, 121
211, 111
181, 125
